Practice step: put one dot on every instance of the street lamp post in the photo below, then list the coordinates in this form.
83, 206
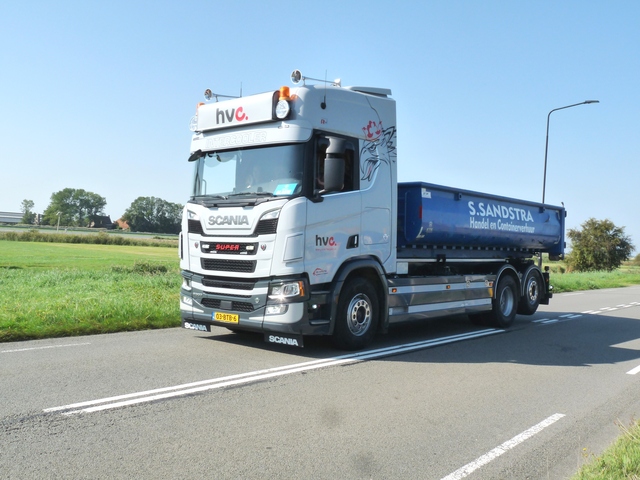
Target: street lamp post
546, 147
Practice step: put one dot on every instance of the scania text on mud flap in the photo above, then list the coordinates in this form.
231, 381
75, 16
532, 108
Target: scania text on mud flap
296, 225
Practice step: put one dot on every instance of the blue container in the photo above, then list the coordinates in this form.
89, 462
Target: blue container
433, 219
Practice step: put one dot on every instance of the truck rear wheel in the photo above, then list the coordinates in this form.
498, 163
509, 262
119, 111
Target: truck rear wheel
505, 305
530, 301
357, 315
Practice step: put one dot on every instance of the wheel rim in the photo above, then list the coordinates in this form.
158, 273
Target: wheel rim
532, 290
359, 315
507, 301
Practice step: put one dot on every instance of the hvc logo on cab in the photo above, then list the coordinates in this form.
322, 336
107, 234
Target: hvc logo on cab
229, 115
325, 243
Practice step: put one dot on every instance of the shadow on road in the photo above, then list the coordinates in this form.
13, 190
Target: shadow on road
586, 340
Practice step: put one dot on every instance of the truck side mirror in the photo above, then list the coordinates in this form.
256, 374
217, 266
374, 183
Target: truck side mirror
334, 165
333, 172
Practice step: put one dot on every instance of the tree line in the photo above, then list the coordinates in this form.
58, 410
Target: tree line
78, 208
598, 245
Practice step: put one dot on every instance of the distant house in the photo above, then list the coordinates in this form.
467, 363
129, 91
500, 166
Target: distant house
101, 221
122, 224
11, 217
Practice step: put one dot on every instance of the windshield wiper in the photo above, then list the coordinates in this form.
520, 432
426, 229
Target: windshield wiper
207, 200
259, 194
223, 197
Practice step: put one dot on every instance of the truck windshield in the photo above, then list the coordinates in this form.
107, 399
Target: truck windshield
268, 171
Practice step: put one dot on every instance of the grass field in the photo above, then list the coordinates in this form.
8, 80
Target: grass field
55, 289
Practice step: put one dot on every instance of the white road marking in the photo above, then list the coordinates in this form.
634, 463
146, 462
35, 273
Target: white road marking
469, 468
571, 316
250, 377
43, 348
633, 371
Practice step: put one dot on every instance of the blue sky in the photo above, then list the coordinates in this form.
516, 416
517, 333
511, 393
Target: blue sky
98, 95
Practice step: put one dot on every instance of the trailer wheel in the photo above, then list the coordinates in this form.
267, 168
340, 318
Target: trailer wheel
357, 315
530, 302
505, 305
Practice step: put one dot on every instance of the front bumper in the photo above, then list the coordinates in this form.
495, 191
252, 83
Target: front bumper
248, 308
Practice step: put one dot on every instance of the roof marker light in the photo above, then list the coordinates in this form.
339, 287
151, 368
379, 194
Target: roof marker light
284, 93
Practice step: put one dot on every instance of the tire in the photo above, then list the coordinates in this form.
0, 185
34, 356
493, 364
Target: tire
357, 315
533, 288
505, 305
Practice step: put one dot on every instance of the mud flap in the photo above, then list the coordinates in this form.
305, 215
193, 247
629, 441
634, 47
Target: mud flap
284, 339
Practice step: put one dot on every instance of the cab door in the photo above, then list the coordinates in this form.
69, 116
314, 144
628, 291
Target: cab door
335, 209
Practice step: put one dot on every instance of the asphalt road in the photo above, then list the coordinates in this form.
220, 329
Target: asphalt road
440, 399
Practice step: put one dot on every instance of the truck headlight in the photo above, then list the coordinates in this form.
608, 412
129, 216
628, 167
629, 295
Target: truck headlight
287, 291
271, 215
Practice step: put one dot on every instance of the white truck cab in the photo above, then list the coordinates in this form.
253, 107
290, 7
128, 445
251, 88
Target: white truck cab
292, 189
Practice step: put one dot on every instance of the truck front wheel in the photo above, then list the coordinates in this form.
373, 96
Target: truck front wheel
505, 305
357, 315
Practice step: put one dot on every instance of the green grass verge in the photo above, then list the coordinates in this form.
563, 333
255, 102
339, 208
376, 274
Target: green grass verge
621, 461
53, 290
571, 282
115, 237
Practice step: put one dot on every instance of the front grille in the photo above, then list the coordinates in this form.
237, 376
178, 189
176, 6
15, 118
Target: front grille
230, 248
231, 283
240, 266
235, 306
266, 227
195, 227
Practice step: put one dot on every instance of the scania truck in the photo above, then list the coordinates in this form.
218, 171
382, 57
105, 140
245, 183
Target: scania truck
296, 225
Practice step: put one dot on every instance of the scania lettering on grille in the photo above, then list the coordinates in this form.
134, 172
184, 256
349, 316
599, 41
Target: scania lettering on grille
228, 220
